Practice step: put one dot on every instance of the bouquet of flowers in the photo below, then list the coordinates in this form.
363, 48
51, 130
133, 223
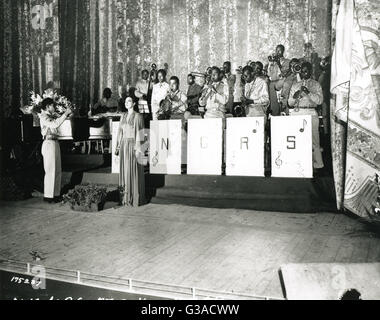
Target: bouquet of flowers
61, 102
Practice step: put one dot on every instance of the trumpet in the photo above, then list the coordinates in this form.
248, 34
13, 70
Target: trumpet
297, 68
240, 111
273, 58
239, 70
206, 91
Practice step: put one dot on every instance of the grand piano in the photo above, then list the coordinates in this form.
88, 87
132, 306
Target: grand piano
89, 128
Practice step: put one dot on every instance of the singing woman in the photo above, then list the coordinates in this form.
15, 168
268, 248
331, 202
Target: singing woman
50, 121
129, 146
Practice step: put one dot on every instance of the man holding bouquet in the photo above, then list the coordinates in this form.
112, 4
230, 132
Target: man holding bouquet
50, 121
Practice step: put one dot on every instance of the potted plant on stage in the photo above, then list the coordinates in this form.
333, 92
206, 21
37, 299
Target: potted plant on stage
86, 197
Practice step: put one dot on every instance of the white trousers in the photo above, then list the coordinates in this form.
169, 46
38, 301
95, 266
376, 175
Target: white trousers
51, 153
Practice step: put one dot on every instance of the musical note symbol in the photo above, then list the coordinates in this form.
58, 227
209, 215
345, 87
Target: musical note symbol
257, 125
304, 125
279, 162
155, 159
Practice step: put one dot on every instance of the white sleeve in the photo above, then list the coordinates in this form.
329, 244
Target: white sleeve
51, 122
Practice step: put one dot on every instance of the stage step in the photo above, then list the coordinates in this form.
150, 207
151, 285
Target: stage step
254, 193
239, 184
266, 194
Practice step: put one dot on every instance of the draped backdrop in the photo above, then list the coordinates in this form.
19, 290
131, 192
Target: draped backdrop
106, 43
355, 107
29, 47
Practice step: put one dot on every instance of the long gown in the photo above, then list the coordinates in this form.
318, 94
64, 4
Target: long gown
131, 177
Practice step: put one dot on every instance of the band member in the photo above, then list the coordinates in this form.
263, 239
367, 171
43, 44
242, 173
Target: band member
305, 96
256, 96
258, 71
287, 83
152, 81
215, 96
239, 87
309, 55
129, 146
166, 68
230, 80
193, 94
50, 121
142, 89
177, 99
277, 68
160, 92
106, 104
278, 64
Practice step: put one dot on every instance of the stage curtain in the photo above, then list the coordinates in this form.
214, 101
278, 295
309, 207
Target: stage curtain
29, 50
9, 61
76, 60
188, 35
356, 103
105, 43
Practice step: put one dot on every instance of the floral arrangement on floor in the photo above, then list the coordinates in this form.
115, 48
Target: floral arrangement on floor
86, 197
61, 102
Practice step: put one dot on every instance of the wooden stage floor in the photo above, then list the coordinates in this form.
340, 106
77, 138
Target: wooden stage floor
218, 249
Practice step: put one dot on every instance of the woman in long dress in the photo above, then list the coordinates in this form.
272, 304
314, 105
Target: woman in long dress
129, 146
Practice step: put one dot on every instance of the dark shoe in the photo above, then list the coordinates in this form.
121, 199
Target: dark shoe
49, 200
58, 199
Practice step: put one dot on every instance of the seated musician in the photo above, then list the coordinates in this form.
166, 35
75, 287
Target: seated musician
193, 95
160, 91
258, 71
305, 96
142, 88
215, 96
106, 104
177, 99
287, 83
256, 96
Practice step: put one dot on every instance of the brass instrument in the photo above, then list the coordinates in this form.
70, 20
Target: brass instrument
240, 111
239, 70
205, 93
274, 58
297, 107
296, 68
